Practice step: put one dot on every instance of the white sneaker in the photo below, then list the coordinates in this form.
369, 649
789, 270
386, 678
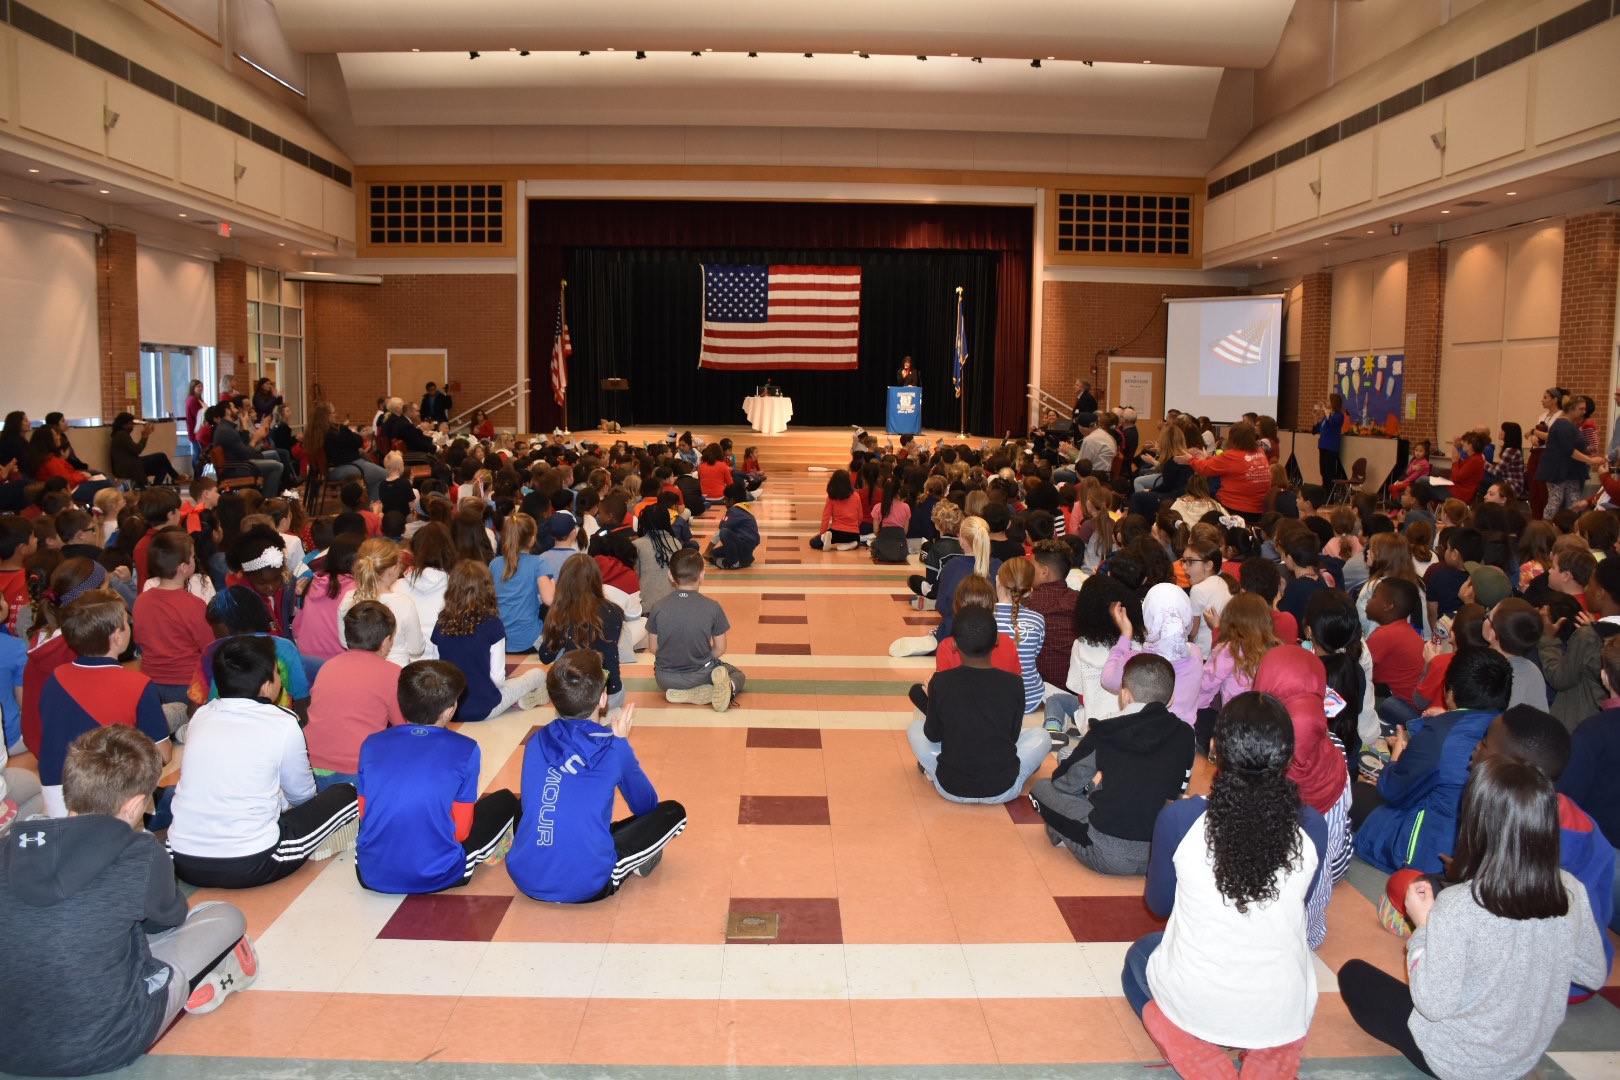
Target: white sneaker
923, 645
236, 972
720, 682
535, 698
697, 695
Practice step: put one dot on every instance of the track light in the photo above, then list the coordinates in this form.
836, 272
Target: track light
1035, 63
523, 52
472, 54
752, 55
809, 56
584, 52
1089, 63
696, 53
978, 59
865, 55
922, 58
640, 54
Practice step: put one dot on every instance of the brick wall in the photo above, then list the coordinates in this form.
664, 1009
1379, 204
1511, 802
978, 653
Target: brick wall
1425, 327
118, 314
1080, 317
230, 320
1315, 344
350, 328
1586, 309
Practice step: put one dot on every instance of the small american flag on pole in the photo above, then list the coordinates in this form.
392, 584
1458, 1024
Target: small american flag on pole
1246, 346
561, 349
763, 318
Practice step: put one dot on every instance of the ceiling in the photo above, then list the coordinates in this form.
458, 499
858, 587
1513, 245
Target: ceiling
1148, 68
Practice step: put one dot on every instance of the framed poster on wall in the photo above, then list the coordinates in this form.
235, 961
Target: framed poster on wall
1372, 385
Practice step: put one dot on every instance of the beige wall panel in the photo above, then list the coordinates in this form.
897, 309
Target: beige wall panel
632, 145
1015, 150
1535, 276
8, 73
1293, 311
1252, 214
734, 146
917, 149
1220, 221
1470, 387
1527, 370
301, 195
1576, 86
1407, 155
59, 96
1347, 173
1369, 30
1352, 308
1389, 305
259, 186
1296, 202
1485, 120
147, 134
207, 156
1476, 278
817, 146
337, 209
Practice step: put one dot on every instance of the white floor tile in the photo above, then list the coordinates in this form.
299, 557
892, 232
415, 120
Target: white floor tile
537, 969
660, 971
1031, 970
429, 968
1589, 1064
908, 971
780, 972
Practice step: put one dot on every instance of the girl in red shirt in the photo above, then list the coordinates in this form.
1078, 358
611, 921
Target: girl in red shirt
842, 518
714, 475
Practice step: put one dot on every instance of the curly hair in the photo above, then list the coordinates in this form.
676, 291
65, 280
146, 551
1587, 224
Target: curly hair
1252, 819
1093, 623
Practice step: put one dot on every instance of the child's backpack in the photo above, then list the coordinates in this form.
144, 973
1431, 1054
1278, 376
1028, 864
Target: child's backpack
889, 546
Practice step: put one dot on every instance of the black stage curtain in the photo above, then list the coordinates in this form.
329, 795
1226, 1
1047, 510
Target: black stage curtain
636, 313
634, 285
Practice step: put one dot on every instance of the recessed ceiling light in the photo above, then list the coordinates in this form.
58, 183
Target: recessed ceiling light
1445, 211
1505, 193
1274, 258
1147, 61
610, 48
1325, 243
1371, 231
182, 213
33, 170
708, 50
1051, 58
956, 54
104, 191
281, 243
416, 50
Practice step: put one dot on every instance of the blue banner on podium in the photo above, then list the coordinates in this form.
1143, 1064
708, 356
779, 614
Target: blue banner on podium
905, 410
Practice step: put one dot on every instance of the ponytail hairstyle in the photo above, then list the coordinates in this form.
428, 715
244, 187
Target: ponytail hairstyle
1017, 578
1173, 527
890, 490
974, 536
1335, 632
1099, 504
1420, 539
340, 563
52, 590
517, 536
374, 559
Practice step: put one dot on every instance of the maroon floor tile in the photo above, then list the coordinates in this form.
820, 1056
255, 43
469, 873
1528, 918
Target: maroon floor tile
766, 648
1107, 918
920, 620
1022, 812
782, 596
1612, 994
801, 921
785, 738
785, 810
901, 596
784, 562
784, 620
447, 917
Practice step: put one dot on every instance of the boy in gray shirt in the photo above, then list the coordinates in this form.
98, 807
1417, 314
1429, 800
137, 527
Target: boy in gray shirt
686, 632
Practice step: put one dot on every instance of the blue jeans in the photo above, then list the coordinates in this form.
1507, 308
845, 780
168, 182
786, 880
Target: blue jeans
368, 472
1147, 481
1062, 707
1033, 746
1134, 977
312, 666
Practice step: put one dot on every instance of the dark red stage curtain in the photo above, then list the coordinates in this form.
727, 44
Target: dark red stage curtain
556, 225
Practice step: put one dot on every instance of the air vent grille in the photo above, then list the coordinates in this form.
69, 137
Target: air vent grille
436, 214
1123, 223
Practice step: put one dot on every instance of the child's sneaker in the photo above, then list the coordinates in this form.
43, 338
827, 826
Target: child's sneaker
535, 698
1054, 731
236, 972
646, 868
697, 695
338, 841
502, 846
720, 682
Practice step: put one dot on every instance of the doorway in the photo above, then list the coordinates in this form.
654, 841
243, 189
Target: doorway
166, 375
409, 370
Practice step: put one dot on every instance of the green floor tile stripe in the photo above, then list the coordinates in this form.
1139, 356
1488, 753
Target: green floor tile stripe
827, 688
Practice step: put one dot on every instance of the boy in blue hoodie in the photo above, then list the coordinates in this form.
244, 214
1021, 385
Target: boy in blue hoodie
1525, 733
1409, 817
568, 849
423, 828
738, 534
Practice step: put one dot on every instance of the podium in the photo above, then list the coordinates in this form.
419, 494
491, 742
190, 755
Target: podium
904, 415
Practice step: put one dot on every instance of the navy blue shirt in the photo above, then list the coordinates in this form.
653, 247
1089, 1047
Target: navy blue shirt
471, 653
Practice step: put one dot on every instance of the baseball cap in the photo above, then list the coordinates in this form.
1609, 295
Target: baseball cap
560, 524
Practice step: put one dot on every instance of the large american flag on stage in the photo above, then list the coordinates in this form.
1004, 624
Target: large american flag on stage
765, 318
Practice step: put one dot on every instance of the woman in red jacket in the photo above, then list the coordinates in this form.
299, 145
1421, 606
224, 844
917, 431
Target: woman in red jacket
1467, 473
842, 521
49, 463
1243, 470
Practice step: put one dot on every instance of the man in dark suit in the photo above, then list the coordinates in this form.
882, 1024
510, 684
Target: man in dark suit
435, 405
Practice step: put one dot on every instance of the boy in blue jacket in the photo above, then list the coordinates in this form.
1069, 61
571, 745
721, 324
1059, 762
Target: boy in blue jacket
567, 848
1410, 817
423, 827
1525, 733
738, 534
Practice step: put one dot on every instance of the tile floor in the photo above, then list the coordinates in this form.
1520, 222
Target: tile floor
917, 939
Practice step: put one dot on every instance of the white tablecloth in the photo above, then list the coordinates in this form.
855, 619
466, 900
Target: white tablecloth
768, 415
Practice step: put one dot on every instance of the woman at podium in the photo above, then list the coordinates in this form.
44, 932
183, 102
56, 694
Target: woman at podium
907, 375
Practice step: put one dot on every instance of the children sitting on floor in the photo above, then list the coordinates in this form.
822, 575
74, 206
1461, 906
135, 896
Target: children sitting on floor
970, 744
686, 633
356, 694
1396, 649
94, 690
423, 826
471, 636
246, 811
171, 624
94, 924
1573, 670
1102, 800
567, 849
737, 536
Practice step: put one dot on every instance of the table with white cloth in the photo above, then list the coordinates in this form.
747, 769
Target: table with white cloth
768, 415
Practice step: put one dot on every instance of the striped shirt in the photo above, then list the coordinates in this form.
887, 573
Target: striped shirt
1030, 635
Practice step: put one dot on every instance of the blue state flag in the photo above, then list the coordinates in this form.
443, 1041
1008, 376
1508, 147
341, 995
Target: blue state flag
960, 357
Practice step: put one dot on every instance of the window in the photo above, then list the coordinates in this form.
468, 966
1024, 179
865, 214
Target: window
276, 337
453, 213
166, 374
1124, 223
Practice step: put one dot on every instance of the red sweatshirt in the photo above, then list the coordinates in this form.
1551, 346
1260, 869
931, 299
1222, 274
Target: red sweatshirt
844, 515
1245, 478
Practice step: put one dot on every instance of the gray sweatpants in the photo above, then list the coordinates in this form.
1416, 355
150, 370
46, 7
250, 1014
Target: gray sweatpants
1067, 800
193, 948
686, 680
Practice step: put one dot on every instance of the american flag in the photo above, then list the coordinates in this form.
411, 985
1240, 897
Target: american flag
1246, 346
762, 318
561, 349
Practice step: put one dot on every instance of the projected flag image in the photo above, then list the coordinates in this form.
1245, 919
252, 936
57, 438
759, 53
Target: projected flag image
769, 318
1246, 346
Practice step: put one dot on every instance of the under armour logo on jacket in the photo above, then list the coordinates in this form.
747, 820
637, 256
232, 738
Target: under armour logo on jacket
36, 839
571, 766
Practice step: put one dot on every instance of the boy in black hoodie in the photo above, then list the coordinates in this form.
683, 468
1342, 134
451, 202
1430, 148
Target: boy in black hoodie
94, 926
738, 535
1103, 799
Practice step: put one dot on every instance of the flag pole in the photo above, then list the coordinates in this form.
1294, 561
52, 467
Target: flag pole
961, 390
562, 320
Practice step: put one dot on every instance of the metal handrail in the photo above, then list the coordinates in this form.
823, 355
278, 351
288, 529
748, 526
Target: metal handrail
1051, 401
496, 400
